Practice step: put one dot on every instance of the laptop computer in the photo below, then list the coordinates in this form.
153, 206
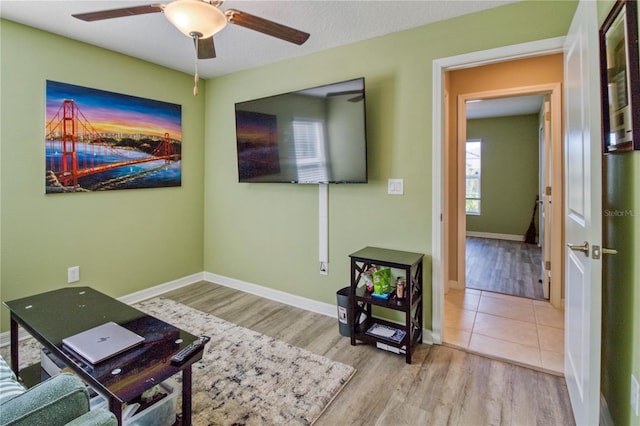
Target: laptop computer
102, 342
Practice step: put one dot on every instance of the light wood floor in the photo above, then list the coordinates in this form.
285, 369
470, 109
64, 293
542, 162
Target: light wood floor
509, 267
443, 386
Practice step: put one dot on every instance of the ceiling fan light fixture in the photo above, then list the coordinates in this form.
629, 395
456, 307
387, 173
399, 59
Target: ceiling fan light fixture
195, 16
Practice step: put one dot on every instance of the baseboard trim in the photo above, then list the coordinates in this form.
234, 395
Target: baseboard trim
327, 309
159, 289
494, 236
323, 308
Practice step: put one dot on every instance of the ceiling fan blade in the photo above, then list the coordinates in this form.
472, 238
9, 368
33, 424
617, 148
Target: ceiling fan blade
118, 13
266, 27
206, 49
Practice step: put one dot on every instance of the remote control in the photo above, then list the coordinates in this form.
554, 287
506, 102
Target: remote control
187, 351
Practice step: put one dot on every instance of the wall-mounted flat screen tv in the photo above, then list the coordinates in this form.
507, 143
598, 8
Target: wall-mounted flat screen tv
315, 135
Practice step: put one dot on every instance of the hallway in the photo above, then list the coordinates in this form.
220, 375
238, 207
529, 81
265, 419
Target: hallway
501, 266
526, 331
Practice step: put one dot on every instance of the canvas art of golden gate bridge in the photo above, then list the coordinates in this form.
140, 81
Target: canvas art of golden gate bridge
97, 140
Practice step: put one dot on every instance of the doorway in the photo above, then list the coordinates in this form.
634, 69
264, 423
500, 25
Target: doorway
519, 330
506, 142
516, 328
513, 220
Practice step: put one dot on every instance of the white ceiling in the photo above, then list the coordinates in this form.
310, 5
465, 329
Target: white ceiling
504, 107
151, 37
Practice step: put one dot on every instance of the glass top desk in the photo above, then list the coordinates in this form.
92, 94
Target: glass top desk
54, 315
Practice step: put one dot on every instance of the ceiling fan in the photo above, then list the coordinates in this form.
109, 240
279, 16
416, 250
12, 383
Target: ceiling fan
200, 20
359, 95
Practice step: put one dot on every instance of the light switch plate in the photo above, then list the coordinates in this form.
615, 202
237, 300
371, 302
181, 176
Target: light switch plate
395, 187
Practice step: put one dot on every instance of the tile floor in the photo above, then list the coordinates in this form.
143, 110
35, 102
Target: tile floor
522, 330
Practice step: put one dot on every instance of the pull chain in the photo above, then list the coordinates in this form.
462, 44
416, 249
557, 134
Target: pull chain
196, 77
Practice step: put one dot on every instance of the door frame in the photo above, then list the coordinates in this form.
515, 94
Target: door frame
544, 216
557, 248
439, 67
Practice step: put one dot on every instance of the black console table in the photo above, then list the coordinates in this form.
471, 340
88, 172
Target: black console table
54, 315
361, 301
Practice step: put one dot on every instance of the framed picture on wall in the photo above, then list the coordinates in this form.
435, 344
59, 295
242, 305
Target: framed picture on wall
620, 78
97, 140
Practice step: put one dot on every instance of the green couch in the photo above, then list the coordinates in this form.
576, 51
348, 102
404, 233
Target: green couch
60, 400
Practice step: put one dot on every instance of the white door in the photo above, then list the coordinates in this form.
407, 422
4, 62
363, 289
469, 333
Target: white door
582, 215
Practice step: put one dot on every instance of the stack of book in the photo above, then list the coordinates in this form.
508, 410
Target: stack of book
390, 333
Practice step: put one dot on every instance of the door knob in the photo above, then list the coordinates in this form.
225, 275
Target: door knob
583, 247
597, 251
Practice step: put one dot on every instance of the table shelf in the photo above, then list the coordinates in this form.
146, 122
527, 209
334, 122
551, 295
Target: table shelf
361, 302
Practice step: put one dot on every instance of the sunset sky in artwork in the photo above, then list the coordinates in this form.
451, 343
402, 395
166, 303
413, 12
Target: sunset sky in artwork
110, 112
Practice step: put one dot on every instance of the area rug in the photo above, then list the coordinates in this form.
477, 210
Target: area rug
244, 377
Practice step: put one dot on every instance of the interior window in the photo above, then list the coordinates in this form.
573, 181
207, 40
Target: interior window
473, 172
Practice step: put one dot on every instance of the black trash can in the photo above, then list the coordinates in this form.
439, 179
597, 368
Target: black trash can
343, 311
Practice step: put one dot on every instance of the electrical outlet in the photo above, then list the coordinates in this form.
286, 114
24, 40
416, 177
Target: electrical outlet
635, 394
324, 268
73, 274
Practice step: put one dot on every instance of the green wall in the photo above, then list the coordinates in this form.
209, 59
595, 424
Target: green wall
268, 233
620, 284
634, 314
123, 241
509, 176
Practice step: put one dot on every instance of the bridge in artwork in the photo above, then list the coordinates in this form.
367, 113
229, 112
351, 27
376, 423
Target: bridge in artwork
77, 150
